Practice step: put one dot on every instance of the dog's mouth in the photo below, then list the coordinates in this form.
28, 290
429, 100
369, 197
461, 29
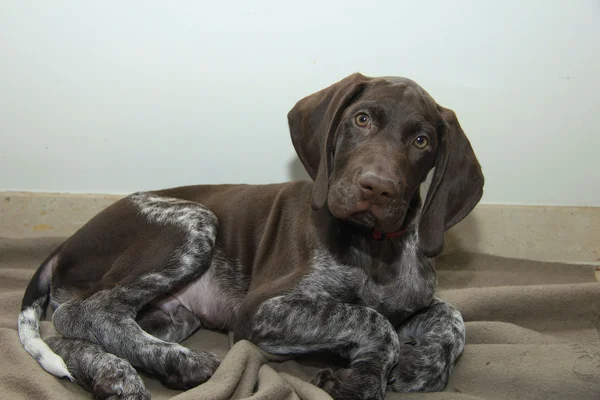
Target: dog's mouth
373, 216
365, 218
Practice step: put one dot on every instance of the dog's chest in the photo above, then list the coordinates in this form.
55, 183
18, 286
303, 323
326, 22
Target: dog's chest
407, 286
407, 292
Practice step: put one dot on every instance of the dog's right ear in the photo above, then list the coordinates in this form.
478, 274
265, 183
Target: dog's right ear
313, 122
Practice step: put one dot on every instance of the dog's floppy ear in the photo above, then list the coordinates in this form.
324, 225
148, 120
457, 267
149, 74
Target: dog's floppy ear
313, 122
456, 187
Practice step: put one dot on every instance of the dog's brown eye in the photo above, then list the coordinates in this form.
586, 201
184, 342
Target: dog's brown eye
421, 142
362, 120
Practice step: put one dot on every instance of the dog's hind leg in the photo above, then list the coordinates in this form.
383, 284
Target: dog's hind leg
104, 374
430, 342
175, 324
107, 316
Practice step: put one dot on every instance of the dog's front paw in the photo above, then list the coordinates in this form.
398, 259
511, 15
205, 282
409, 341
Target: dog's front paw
360, 382
423, 367
189, 368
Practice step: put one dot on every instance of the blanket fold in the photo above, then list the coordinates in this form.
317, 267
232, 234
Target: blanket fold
532, 333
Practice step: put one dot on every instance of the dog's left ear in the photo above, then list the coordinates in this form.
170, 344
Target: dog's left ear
456, 187
313, 122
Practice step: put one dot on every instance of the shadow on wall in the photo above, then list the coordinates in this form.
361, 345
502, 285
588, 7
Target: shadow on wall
296, 171
464, 236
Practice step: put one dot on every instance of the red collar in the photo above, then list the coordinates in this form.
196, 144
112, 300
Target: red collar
378, 235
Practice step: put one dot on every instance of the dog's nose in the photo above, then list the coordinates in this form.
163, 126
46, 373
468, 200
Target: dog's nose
376, 188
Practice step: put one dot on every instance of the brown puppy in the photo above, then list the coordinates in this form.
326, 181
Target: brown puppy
343, 264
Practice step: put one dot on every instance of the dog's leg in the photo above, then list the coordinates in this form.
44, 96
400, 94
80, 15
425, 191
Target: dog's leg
102, 373
292, 325
172, 326
430, 342
107, 317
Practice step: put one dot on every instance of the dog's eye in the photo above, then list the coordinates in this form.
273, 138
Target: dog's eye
362, 120
421, 142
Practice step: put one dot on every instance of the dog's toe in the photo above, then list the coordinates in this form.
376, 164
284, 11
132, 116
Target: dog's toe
322, 376
118, 380
348, 383
421, 369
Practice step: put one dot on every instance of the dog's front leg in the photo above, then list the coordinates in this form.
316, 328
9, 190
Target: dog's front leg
294, 325
430, 342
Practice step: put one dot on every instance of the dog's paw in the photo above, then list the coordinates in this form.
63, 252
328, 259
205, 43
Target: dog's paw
423, 367
189, 368
356, 383
117, 379
324, 379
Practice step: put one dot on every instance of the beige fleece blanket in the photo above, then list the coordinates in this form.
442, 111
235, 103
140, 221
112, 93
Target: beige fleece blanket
532, 333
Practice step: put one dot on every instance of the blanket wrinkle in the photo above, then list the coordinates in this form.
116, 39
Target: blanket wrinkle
533, 332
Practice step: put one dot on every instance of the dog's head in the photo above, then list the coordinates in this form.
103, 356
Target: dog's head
369, 143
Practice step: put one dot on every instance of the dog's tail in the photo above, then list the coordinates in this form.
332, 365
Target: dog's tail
33, 309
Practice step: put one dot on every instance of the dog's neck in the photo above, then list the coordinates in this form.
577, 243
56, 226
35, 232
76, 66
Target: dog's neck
346, 238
